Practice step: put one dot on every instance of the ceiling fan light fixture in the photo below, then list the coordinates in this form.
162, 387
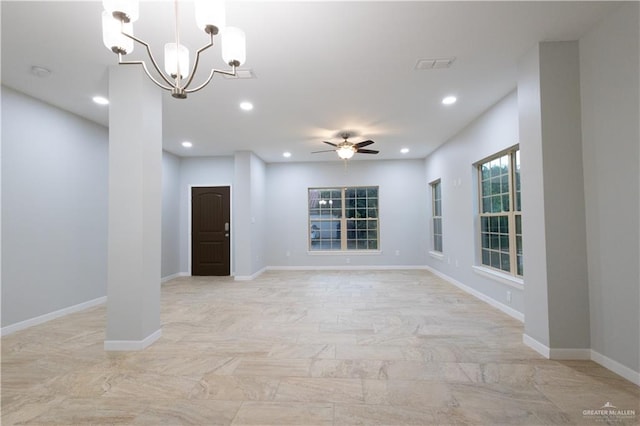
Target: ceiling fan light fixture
346, 152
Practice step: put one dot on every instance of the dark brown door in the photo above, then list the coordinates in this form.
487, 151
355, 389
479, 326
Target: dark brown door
210, 231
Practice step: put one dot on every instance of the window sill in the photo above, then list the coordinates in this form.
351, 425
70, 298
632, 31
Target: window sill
500, 277
343, 252
437, 255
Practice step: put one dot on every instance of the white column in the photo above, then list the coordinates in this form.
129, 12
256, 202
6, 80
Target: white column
135, 203
554, 231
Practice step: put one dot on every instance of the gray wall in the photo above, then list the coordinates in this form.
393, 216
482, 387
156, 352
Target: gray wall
54, 209
554, 231
403, 211
492, 132
609, 88
249, 220
170, 215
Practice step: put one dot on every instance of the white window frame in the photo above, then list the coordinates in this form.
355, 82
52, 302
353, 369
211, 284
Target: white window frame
343, 220
436, 216
486, 246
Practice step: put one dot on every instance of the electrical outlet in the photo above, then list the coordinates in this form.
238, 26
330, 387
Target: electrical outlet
509, 296
397, 252
288, 253
348, 260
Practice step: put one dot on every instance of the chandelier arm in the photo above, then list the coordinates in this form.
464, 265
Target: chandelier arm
153, 61
197, 61
213, 71
146, 70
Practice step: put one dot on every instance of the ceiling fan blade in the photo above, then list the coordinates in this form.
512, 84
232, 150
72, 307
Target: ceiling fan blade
363, 144
367, 151
330, 143
326, 150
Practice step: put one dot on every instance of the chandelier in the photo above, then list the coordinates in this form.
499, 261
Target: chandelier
117, 34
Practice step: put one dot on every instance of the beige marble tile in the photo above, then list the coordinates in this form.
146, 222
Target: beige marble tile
273, 367
279, 413
301, 389
408, 393
304, 347
367, 414
188, 412
235, 388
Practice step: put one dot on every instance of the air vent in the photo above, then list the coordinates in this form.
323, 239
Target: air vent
241, 74
434, 63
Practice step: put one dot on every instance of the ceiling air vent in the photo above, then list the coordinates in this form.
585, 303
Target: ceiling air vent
434, 63
241, 74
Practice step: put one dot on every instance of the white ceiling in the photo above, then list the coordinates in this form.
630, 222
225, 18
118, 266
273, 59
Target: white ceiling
321, 67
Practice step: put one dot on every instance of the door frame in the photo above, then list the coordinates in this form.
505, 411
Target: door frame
190, 225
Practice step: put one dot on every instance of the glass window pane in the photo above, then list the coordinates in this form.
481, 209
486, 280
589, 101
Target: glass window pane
505, 264
505, 203
486, 257
485, 240
504, 243
495, 259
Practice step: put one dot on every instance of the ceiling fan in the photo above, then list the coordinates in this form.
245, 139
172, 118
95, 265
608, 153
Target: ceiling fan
346, 149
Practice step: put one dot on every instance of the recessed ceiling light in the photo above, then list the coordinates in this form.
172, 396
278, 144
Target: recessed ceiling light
246, 106
404, 150
286, 154
449, 100
187, 144
101, 100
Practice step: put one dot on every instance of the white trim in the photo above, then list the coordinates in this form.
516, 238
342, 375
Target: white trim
567, 353
132, 345
498, 276
436, 255
616, 367
173, 276
346, 268
52, 315
344, 252
504, 308
249, 277
536, 346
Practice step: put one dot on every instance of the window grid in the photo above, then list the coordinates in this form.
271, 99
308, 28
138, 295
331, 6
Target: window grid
436, 214
500, 213
333, 210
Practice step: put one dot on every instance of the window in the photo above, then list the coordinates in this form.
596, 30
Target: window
501, 212
436, 215
343, 218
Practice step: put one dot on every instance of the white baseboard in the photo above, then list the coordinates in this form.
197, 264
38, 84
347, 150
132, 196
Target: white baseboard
173, 276
556, 353
583, 354
132, 345
51, 316
249, 277
541, 348
348, 268
500, 306
616, 367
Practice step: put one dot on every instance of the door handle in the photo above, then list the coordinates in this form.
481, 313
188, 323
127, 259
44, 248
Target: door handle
226, 227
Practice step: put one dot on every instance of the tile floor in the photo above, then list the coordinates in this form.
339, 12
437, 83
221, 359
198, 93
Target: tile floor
305, 348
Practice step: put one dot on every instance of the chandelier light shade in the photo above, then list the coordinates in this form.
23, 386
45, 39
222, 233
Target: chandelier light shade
178, 74
112, 35
176, 61
210, 15
234, 51
129, 10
